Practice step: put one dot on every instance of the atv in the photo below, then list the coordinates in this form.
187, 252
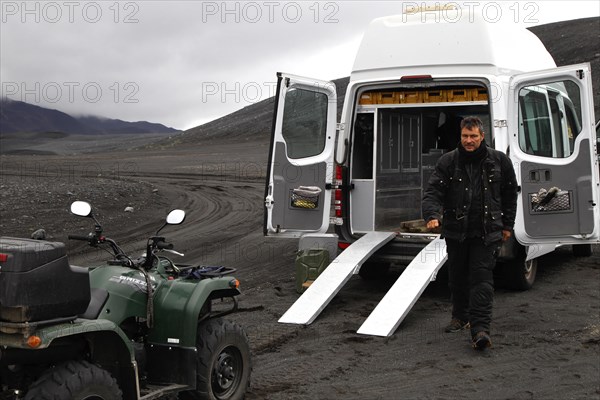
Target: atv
135, 328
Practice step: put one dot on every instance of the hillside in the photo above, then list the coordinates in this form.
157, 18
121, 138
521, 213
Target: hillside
574, 42
569, 42
20, 117
253, 121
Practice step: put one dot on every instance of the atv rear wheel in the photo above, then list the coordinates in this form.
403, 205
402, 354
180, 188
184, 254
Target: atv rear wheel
223, 362
75, 380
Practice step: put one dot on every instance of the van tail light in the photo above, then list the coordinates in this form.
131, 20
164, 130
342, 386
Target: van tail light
337, 204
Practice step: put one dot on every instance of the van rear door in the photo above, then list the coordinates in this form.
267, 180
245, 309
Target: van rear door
551, 129
300, 170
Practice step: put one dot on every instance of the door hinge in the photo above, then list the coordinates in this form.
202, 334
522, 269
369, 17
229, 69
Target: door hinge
580, 74
500, 123
269, 201
340, 127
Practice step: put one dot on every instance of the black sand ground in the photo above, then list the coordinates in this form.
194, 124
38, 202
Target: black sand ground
546, 340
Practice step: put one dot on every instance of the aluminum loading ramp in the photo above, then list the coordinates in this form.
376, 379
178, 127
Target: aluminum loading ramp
398, 301
310, 304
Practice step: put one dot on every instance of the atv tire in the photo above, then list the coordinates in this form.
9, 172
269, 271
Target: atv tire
75, 380
223, 362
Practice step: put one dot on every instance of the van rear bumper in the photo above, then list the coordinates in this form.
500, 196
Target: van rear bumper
403, 249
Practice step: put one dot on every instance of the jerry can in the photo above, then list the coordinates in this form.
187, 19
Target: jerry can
309, 265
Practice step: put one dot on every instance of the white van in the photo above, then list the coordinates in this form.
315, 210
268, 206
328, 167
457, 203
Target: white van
413, 80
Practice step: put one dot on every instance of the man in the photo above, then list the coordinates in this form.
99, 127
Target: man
472, 194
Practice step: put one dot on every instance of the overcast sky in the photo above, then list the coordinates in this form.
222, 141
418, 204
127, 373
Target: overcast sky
183, 63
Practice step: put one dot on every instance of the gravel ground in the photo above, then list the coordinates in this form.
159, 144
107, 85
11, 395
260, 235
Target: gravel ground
546, 340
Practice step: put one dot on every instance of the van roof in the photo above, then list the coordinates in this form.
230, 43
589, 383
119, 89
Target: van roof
442, 44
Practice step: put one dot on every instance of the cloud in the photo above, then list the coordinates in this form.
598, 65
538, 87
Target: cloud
155, 60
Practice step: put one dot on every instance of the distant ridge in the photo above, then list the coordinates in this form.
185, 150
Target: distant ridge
253, 121
21, 117
569, 42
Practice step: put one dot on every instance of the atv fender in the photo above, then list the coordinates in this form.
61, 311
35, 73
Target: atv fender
74, 340
178, 305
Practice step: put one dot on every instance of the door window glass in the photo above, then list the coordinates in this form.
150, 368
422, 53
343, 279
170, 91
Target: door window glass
304, 122
549, 119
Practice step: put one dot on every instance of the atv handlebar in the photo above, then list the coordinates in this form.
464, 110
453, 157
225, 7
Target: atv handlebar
79, 237
162, 245
154, 245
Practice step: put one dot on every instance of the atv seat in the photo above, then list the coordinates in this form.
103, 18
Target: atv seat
98, 299
37, 283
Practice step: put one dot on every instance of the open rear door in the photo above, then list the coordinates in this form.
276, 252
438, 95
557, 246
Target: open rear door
551, 129
300, 170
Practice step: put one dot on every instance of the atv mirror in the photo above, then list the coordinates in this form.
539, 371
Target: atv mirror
175, 217
81, 208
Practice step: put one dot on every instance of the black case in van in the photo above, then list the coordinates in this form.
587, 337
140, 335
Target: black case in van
37, 283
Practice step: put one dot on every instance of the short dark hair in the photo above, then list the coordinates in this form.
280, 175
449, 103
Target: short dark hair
472, 122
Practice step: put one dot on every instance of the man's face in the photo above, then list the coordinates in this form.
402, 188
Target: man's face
471, 138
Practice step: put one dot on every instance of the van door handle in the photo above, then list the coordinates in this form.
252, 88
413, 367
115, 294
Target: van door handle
534, 176
538, 175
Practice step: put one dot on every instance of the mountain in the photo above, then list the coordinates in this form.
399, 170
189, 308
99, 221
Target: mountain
17, 116
107, 125
569, 42
253, 121
20, 117
574, 42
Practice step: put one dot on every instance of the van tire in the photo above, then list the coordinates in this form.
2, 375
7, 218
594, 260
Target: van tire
372, 270
520, 274
75, 380
222, 348
582, 250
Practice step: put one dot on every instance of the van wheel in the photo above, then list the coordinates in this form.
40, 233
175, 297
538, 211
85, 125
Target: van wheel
372, 270
582, 250
520, 274
75, 380
222, 362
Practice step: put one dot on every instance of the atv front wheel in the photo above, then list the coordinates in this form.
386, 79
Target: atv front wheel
223, 362
75, 380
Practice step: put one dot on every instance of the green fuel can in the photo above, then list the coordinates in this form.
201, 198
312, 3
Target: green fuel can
309, 265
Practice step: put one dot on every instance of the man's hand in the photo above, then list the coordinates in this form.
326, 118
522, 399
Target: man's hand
432, 224
506, 235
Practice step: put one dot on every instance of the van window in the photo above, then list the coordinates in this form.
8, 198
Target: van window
304, 123
549, 116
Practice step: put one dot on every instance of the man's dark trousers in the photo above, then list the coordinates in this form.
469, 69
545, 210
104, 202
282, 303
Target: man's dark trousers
471, 280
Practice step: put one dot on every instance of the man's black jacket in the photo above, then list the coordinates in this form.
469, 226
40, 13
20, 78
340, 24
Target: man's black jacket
447, 198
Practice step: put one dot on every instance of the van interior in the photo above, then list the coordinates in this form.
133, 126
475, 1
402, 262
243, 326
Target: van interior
399, 134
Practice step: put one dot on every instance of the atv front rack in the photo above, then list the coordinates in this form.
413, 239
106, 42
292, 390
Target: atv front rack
203, 271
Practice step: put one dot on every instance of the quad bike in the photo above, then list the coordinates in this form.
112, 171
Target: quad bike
136, 328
